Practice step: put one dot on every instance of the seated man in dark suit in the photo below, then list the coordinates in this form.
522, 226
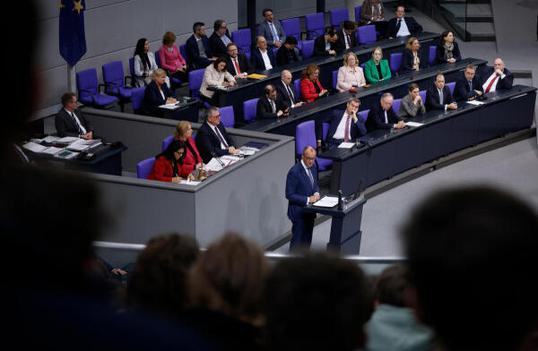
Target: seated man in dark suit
468, 86
212, 139
327, 44
236, 63
402, 25
156, 94
438, 96
345, 125
269, 106
198, 52
70, 122
285, 90
219, 40
346, 36
497, 77
262, 58
382, 116
288, 52
302, 188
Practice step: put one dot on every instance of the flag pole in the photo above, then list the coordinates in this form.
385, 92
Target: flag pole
71, 79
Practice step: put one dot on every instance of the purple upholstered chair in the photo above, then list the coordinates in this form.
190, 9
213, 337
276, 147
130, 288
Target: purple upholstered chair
451, 86
249, 109
307, 49
88, 90
305, 135
167, 141
358, 10
137, 96
432, 53
195, 81
366, 34
422, 94
227, 117
315, 25
183, 52
132, 72
242, 38
292, 27
144, 168
395, 61
157, 58
396, 106
297, 87
116, 82
335, 78
363, 115
338, 16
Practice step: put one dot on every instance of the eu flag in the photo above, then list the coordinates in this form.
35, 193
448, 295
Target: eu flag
72, 36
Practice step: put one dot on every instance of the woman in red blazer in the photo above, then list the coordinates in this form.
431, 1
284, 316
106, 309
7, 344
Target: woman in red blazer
311, 88
167, 167
192, 157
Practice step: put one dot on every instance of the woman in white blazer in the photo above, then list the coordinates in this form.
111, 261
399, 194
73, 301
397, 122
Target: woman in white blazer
215, 75
350, 75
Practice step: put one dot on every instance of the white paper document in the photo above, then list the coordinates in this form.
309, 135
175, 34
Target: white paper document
189, 182
229, 159
248, 151
67, 140
34, 147
414, 124
214, 165
82, 144
52, 150
170, 106
476, 103
346, 145
51, 139
327, 201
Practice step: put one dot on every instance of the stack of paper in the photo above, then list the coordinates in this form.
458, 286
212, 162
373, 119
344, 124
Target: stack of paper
247, 150
413, 124
475, 102
229, 159
34, 147
346, 145
214, 165
82, 144
327, 201
170, 106
67, 140
52, 150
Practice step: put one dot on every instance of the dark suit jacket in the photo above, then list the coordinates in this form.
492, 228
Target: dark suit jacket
440, 53
505, 83
376, 118
283, 95
299, 188
216, 45
319, 47
243, 64
282, 57
462, 91
153, 99
407, 61
208, 143
412, 25
66, 125
256, 59
357, 129
432, 98
264, 110
193, 54
342, 42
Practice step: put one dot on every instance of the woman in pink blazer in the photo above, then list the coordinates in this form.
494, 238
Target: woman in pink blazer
171, 59
311, 88
350, 75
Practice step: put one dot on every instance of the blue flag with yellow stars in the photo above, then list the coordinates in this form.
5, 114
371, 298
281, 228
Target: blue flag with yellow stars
72, 36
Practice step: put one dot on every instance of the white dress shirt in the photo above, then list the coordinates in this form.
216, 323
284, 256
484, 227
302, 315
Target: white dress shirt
494, 85
339, 133
403, 31
266, 60
73, 114
218, 133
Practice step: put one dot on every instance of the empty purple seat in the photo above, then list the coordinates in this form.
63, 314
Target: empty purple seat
167, 141
307, 48
183, 52
358, 10
432, 53
363, 115
366, 34
292, 27
297, 87
249, 109
137, 96
144, 168
451, 86
315, 25
157, 58
305, 135
396, 105
395, 61
227, 117
115, 82
242, 38
338, 16
88, 90
195, 81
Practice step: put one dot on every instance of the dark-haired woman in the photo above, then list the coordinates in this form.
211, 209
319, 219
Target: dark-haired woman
448, 50
144, 63
167, 167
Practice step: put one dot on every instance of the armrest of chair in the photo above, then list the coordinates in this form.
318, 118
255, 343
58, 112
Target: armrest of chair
99, 90
131, 80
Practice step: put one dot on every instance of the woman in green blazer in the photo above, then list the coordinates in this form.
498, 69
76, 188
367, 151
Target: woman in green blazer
376, 69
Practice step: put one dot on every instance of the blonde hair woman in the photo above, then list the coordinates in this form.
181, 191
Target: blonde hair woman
350, 75
376, 68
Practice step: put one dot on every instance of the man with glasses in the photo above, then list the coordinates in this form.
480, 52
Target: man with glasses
199, 54
212, 140
69, 120
271, 29
219, 39
302, 188
236, 63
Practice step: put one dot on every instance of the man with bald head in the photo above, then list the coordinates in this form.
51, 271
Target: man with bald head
497, 77
262, 58
382, 116
285, 90
302, 188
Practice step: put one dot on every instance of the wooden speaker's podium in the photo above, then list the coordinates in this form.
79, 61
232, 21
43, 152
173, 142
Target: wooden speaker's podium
346, 225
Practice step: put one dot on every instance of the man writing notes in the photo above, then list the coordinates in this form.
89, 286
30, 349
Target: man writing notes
302, 188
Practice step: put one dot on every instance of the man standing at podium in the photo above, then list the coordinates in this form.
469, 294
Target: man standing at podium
302, 188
